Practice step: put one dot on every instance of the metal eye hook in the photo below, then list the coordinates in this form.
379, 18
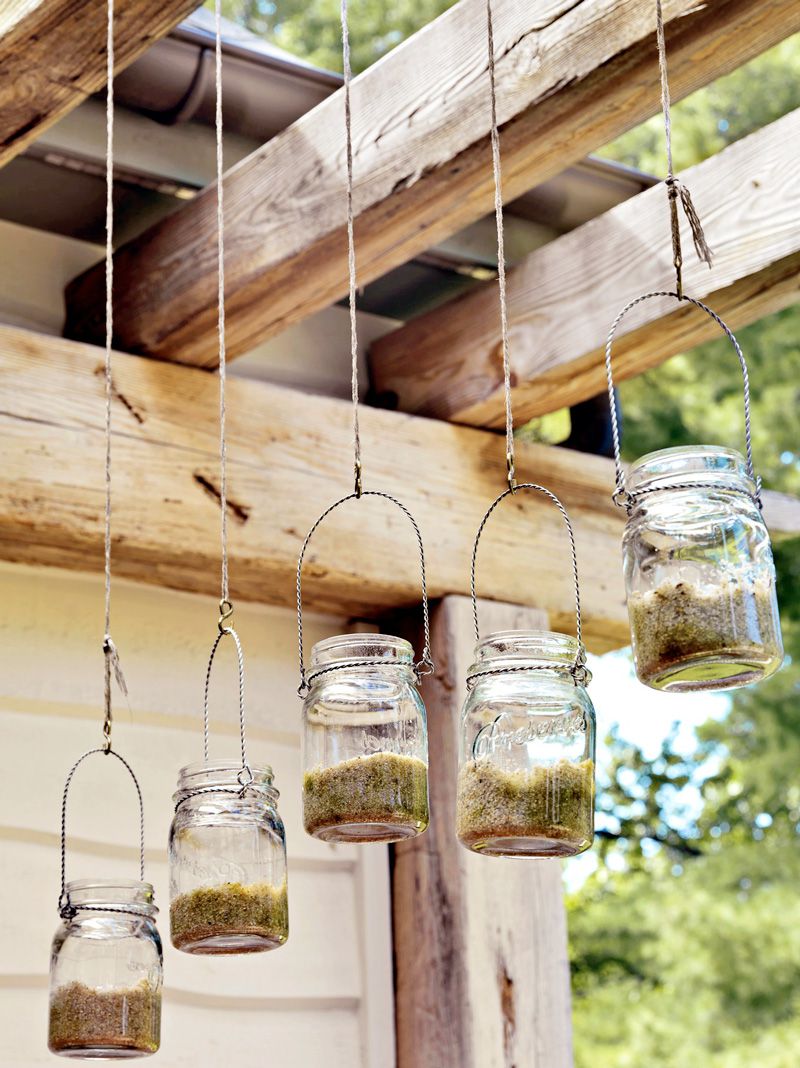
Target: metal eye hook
225, 613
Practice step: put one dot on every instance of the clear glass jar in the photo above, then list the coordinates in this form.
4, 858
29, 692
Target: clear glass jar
699, 574
106, 973
227, 862
526, 774
365, 742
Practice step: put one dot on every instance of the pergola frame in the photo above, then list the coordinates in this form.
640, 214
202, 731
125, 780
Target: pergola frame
572, 74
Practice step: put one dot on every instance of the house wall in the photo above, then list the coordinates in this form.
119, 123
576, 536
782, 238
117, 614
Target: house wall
323, 999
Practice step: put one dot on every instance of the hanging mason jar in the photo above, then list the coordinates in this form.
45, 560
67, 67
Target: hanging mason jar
699, 575
364, 741
106, 962
227, 851
526, 767
365, 747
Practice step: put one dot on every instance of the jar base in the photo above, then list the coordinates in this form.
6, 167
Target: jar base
227, 943
104, 1052
376, 831
524, 846
710, 672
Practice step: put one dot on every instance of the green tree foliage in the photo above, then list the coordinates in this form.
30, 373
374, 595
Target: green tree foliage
684, 943
310, 28
705, 122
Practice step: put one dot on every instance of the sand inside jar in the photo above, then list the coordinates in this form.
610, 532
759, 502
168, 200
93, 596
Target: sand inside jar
381, 789
82, 1017
259, 912
680, 624
544, 804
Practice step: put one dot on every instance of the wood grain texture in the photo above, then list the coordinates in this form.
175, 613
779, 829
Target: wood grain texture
563, 298
482, 976
53, 56
289, 457
572, 75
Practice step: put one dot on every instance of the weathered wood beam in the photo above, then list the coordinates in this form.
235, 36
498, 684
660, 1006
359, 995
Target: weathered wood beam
572, 75
290, 455
53, 56
481, 966
563, 298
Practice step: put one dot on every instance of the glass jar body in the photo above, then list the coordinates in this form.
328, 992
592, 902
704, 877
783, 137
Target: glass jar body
227, 862
106, 974
526, 767
365, 743
699, 575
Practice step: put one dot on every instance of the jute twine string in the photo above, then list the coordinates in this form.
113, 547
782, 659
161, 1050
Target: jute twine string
224, 625
578, 669
622, 496
351, 249
424, 666
676, 190
110, 654
111, 657
501, 252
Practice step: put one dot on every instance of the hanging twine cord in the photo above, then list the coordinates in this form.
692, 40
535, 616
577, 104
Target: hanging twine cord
578, 668
351, 249
501, 253
676, 190
225, 603
424, 666
224, 626
110, 654
111, 658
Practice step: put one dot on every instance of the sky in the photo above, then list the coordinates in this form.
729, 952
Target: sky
644, 717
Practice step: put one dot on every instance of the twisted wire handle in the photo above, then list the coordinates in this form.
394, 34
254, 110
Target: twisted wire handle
621, 495
424, 665
65, 907
246, 774
579, 657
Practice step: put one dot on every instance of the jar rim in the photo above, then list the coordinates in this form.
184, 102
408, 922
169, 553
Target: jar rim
535, 646
362, 646
692, 463
262, 773
128, 892
205, 777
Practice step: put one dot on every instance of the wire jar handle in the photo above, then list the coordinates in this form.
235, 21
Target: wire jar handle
578, 669
65, 907
424, 665
621, 495
245, 776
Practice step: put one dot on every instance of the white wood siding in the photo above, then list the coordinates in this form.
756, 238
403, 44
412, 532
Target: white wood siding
325, 999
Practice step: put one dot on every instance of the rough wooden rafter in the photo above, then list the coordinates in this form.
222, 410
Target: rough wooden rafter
572, 74
53, 56
563, 298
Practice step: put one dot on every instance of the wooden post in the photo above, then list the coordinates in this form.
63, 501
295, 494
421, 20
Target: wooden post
481, 968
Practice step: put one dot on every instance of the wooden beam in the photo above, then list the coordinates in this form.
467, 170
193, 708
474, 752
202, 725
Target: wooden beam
53, 56
563, 298
480, 944
290, 456
572, 75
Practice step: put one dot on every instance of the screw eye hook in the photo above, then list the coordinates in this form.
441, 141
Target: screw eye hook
225, 614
